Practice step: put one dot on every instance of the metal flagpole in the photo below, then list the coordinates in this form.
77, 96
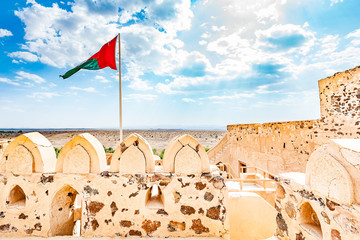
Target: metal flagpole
120, 108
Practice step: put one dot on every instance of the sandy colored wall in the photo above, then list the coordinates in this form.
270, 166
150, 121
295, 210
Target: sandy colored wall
286, 146
255, 219
114, 205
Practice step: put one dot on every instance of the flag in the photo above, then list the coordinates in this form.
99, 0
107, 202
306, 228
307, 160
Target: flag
102, 59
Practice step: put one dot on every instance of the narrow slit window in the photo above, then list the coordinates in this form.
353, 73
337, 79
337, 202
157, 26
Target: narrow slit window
154, 198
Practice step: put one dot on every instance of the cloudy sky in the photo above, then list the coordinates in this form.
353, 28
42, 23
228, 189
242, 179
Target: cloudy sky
185, 64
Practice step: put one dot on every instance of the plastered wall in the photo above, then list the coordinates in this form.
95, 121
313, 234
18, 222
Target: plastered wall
286, 146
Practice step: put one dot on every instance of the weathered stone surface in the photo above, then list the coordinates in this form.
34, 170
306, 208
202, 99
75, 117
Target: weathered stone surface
200, 185
23, 216
325, 216
113, 208
177, 197
176, 226
290, 210
208, 196
281, 223
299, 236
335, 234
125, 223
46, 179
93, 207
135, 233
214, 213
90, 191
198, 227
150, 226
162, 212
218, 182
187, 210
331, 205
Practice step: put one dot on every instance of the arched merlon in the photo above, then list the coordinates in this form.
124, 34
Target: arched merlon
189, 153
134, 155
82, 154
28, 153
333, 170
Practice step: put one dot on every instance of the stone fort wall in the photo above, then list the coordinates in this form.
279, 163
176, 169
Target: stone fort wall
77, 193
286, 146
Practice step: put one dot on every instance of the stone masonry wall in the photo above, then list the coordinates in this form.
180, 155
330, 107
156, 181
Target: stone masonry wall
304, 214
285, 146
114, 205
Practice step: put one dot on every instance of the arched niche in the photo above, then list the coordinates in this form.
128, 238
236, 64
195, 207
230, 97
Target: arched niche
133, 156
29, 153
185, 155
16, 198
65, 212
82, 154
154, 198
327, 176
309, 220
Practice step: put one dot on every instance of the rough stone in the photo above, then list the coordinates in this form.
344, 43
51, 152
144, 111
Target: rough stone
214, 213
187, 210
135, 233
200, 185
93, 207
162, 212
113, 208
290, 210
176, 226
335, 234
150, 226
125, 223
177, 197
198, 227
325, 216
281, 223
208, 196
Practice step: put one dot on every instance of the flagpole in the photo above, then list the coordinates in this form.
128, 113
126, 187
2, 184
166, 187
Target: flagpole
120, 107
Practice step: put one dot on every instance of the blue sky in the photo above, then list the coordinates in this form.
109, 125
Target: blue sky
185, 64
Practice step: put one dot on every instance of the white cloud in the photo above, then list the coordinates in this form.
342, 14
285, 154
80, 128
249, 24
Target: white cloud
188, 100
40, 96
5, 33
140, 97
27, 56
333, 2
231, 97
29, 76
102, 79
89, 89
8, 81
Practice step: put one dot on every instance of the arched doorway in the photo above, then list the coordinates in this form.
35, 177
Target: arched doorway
65, 215
309, 220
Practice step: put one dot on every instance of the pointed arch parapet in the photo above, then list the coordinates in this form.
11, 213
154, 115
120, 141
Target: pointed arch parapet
82, 154
134, 155
29, 153
185, 155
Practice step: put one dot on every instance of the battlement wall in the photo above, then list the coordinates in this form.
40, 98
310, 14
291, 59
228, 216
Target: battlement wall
285, 146
78, 193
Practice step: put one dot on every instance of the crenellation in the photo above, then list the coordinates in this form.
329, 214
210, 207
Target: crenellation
76, 198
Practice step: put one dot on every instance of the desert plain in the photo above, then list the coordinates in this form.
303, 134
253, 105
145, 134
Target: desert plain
158, 139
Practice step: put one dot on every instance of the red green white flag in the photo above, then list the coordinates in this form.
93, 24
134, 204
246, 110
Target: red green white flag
102, 59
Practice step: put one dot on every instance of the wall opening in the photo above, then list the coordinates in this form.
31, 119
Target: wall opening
309, 221
17, 198
242, 167
154, 198
65, 218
